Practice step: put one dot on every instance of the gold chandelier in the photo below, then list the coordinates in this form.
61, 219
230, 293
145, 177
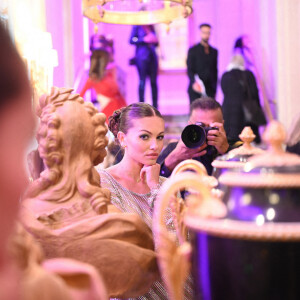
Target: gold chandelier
136, 12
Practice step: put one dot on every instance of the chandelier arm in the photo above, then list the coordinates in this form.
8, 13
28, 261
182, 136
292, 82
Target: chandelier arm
96, 11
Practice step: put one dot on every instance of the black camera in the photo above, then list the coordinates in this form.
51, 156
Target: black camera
194, 136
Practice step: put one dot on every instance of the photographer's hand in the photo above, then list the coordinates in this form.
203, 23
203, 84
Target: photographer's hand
181, 153
218, 138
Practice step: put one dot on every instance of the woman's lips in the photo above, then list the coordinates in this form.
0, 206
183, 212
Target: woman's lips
153, 155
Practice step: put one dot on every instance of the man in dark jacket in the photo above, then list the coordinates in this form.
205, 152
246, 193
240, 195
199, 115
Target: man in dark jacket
207, 111
145, 40
202, 67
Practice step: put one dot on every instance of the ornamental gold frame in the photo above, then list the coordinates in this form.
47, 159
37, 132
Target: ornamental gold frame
165, 15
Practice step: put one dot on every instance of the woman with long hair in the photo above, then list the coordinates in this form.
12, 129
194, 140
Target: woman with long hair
103, 77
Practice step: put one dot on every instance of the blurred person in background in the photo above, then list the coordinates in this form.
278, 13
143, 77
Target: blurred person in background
238, 84
103, 76
202, 67
16, 129
145, 40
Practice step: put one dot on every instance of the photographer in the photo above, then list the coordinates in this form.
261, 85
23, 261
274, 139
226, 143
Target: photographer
207, 111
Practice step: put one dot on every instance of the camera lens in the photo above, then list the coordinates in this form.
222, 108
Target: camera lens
193, 136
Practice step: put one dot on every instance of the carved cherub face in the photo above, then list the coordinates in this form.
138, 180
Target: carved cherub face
70, 128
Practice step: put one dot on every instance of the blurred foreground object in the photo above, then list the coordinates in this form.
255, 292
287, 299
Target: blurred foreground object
260, 236
59, 278
174, 258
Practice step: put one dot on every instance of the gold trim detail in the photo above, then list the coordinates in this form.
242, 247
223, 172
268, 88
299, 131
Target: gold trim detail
276, 180
227, 164
190, 164
245, 230
198, 168
174, 256
96, 11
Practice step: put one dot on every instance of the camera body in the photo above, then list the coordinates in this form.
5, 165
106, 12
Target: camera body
195, 135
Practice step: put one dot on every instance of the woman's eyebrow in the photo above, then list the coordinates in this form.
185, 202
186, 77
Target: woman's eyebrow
150, 131
145, 130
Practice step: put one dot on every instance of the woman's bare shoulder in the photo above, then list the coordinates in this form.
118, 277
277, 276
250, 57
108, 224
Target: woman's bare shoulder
114, 172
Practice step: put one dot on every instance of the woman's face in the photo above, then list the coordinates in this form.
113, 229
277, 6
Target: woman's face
144, 140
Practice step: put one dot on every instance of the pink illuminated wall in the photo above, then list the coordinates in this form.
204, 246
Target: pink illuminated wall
55, 24
229, 19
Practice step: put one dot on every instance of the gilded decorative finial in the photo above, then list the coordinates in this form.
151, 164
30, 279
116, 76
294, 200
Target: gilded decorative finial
247, 135
168, 27
275, 136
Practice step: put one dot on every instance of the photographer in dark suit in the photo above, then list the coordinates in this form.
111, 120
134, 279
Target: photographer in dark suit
202, 65
209, 112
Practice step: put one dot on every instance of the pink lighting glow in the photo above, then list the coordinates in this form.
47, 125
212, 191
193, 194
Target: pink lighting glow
228, 23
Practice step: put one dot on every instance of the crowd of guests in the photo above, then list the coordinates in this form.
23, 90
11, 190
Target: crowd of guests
238, 82
141, 163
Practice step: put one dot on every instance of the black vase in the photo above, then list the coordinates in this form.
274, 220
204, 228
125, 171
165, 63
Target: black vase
253, 253
234, 269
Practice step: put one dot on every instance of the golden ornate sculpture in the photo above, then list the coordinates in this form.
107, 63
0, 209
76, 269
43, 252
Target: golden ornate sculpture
65, 209
177, 204
275, 156
190, 165
196, 166
64, 120
174, 258
247, 136
243, 152
59, 278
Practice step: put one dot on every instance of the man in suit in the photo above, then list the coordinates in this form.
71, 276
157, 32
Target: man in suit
202, 63
209, 112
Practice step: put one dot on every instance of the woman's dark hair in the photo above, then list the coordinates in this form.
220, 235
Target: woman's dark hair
13, 75
121, 118
101, 55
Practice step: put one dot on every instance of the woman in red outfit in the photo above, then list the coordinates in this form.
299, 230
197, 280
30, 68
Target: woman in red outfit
104, 82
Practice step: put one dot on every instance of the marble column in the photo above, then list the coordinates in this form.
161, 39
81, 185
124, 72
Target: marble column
288, 59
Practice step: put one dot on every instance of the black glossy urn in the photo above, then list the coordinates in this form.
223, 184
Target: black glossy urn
253, 253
